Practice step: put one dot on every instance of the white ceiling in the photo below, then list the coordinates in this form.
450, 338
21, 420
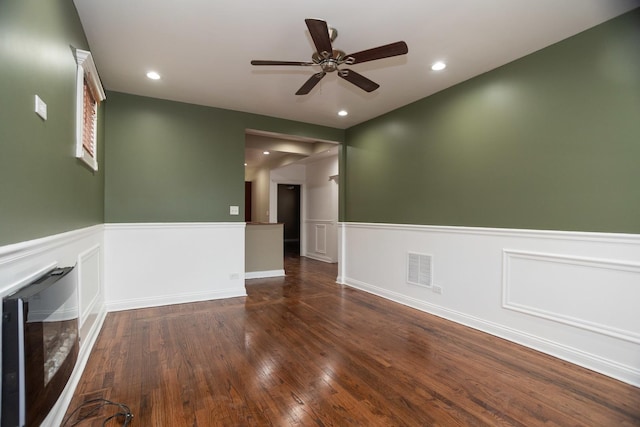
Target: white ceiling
283, 149
203, 48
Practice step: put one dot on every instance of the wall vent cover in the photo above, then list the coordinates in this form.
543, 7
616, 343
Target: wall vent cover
419, 269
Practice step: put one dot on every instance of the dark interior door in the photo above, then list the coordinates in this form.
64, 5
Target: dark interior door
247, 201
289, 215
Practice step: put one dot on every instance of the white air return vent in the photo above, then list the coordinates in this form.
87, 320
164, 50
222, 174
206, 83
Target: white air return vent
419, 269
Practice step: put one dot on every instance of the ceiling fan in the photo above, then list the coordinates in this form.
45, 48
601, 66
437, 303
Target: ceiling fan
330, 59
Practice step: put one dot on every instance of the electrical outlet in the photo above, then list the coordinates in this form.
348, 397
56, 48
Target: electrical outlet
234, 210
437, 289
234, 276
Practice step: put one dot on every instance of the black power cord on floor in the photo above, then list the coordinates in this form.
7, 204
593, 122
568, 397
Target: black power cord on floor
124, 412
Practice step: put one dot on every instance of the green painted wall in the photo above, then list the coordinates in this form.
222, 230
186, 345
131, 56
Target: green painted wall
550, 141
44, 189
168, 161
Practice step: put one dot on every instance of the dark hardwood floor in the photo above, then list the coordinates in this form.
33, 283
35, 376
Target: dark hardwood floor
305, 351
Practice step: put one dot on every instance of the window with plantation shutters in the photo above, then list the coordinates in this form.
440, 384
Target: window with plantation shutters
89, 95
89, 116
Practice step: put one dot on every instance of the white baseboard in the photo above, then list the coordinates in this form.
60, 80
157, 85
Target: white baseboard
318, 257
609, 367
263, 274
177, 298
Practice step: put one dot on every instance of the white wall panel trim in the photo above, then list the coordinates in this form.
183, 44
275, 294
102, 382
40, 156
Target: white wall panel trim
597, 278
84, 262
173, 225
619, 238
322, 244
16, 251
321, 238
342, 244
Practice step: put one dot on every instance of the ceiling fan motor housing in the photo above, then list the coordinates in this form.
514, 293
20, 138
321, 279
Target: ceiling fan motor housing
330, 63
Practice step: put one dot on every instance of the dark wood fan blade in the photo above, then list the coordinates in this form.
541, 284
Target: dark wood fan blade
359, 80
386, 51
311, 83
261, 62
320, 35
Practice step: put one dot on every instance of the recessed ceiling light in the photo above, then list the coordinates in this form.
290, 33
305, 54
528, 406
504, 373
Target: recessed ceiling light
153, 75
438, 66
342, 113
245, 164
265, 152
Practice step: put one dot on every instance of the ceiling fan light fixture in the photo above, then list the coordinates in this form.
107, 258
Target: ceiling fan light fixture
153, 75
438, 66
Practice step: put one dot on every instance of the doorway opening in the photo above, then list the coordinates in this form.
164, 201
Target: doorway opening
310, 228
248, 195
289, 212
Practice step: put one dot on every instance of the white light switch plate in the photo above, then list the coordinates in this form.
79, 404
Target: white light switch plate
41, 108
234, 210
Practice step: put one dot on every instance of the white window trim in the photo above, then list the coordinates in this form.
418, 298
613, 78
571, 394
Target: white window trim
86, 70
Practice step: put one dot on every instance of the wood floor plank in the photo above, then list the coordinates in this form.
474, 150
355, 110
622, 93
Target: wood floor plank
304, 351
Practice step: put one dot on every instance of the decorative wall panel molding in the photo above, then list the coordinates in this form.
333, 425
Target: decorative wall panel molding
321, 238
575, 291
89, 281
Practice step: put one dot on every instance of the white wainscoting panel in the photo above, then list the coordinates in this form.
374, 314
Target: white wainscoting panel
322, 240
579, 292
22, 262
89, 266
170, 263
569, 294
